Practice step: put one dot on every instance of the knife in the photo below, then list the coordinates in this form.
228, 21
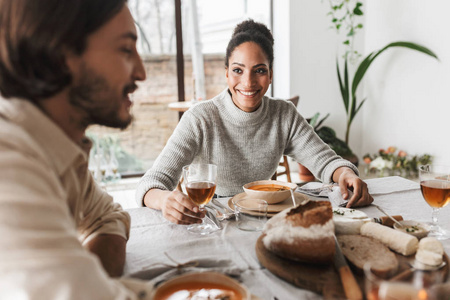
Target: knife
351, 287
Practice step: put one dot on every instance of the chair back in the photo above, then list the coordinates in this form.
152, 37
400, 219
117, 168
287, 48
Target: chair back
294, 100
284, 160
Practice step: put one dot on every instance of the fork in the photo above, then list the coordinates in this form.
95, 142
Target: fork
227, 215
317, 191
211, 214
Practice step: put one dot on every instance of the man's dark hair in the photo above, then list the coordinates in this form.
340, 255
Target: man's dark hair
36, 34
251, 31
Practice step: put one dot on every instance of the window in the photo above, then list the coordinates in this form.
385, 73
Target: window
206, 32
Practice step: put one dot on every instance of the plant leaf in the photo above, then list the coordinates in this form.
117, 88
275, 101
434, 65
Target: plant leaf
321, 121
361, 71
346, 81
357, 109
313, 120
344, 88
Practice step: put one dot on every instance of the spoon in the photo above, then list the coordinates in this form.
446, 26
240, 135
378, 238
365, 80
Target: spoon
421, 266
415, 265
389, 216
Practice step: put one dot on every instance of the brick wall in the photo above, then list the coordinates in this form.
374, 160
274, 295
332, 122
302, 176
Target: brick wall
154, 122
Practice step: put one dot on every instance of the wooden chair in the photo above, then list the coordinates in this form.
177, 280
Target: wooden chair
284, 160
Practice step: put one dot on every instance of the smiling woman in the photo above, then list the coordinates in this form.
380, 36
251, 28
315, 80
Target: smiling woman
249, 76
244, 133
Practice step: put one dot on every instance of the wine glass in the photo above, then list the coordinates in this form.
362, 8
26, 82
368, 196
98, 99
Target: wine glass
435, 187
114, 164
200, 184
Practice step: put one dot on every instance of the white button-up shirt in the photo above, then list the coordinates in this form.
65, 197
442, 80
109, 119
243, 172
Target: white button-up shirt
49, 207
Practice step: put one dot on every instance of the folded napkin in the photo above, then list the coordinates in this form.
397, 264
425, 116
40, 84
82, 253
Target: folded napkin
336, 198
376, 186
389, 185
316, 189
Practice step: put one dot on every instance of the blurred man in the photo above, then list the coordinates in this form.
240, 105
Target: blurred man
64, 65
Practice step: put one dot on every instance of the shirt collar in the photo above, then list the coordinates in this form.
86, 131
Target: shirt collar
59, 148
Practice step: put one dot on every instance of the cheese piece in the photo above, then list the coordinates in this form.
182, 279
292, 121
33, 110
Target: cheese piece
350, 213
348, 220
431, 244
428, 257
430, 251
345, 225
398, 241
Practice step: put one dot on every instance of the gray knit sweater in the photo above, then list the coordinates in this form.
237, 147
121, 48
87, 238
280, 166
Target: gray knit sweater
245, 146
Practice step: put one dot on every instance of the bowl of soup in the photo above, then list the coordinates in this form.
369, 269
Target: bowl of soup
273, 191
201, 285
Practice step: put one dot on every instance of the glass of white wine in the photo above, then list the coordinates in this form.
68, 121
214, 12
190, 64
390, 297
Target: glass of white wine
200, 184
435, 187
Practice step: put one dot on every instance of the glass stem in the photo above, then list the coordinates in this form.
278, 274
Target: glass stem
434, 218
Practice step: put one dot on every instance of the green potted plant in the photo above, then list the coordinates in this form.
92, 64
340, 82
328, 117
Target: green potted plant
345, 14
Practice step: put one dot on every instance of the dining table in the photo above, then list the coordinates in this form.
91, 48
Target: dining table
158, 249
181, 106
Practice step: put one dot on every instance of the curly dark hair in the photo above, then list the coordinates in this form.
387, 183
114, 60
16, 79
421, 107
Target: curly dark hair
34, 37
251, 31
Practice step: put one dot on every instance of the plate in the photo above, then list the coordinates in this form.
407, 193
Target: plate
272, 209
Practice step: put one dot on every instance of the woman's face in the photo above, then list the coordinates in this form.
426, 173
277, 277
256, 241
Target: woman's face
248, 76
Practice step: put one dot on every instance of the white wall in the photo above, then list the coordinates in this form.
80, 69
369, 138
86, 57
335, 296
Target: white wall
311, 55
408, 93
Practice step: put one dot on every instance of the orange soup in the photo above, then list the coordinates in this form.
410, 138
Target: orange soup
195, 290
269, 187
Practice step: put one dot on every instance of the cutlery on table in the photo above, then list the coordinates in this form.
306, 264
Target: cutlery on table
389, 216
210, 213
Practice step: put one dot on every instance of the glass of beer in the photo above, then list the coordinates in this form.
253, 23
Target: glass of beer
435, 187
200, 184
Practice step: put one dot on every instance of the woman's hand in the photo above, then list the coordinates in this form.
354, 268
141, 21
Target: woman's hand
175, 206
347, 179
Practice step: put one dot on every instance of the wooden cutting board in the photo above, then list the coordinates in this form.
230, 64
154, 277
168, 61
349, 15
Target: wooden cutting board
323, 280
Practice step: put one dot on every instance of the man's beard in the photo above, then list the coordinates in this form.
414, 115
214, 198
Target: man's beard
98, 100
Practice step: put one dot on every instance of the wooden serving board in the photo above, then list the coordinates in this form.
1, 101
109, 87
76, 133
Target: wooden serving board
323, 280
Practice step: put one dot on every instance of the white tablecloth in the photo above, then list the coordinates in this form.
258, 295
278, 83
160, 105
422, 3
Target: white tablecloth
152, 237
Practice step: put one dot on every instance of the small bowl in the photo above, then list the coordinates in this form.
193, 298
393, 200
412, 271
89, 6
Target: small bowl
199, 280
271, 197
414, 228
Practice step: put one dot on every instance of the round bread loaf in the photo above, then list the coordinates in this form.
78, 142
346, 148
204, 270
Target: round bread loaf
304, 233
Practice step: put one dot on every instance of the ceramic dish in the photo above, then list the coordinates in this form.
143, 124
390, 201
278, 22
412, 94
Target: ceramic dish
272, 209
216, 284
414, 228
272, 191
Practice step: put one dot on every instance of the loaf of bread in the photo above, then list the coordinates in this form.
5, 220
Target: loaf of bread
398, 241
430, 252
304, 233
360, 249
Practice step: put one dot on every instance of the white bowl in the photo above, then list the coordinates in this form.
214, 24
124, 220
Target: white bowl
200, 279
414, 228
270, 197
